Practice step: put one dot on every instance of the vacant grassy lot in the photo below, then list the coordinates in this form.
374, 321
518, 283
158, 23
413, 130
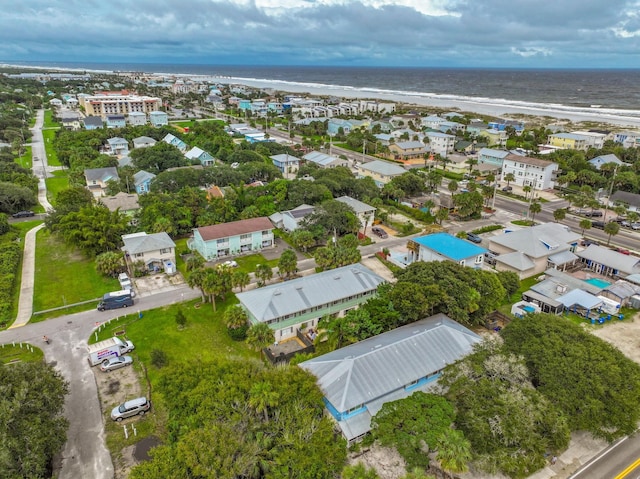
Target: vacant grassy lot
52, 157
25, 159
48, 120
59, 182
65, 276
203, 338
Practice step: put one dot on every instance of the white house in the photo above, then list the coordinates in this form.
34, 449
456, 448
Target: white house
534, 172
441, 143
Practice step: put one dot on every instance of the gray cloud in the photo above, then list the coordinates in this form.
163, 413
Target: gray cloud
580, 33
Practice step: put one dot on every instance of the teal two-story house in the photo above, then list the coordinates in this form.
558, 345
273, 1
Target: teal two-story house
231, 239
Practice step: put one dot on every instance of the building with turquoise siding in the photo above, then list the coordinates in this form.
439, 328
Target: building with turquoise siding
232, 239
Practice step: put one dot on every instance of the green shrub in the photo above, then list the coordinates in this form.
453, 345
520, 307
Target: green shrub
238, 334
159, 358
486, 229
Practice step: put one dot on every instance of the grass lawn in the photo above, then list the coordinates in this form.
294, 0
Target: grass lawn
203, 338
25, 160
48, 120
52, 157
59, 182
249, 263
19, 353
65, 276
182, 124
181, 246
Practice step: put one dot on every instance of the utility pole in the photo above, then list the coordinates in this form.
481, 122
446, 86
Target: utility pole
606, 206
495, 189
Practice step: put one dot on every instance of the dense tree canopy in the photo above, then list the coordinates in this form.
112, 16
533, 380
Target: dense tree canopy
32, 428
510, 424
464, 294
591, 382
246, 423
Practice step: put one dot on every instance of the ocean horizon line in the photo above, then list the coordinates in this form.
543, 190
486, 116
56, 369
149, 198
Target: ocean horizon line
481, 104
54, 64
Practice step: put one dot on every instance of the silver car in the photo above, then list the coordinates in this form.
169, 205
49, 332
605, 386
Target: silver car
134, 407
114, 363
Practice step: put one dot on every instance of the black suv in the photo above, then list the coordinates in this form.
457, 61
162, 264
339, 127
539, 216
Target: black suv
23, 214
597, 224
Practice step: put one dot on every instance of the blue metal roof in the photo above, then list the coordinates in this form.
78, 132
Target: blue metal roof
455, 248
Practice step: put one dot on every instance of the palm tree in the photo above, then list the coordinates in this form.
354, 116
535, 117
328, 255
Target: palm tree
262, 397
584, 225
213, 285
454, 452
260, 336
509, 177
235, 317
559, 214
264, 273
195, 279
452, 186
526, 190
194, 262
611, 228
534, 208
240, 279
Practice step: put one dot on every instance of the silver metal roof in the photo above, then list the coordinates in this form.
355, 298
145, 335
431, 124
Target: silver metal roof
282, 299
377, 367
538, 241
621, 262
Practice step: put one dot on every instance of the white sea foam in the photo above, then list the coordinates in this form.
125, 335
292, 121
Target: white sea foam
483, 105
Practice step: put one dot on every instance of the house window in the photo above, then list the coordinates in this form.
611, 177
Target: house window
165, 251
221, 241
265, 232
479, 259
245, 237
462, 263
139, 255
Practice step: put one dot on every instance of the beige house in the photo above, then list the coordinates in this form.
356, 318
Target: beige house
156, 251
98, 178
408, 149
382, 172
533, 250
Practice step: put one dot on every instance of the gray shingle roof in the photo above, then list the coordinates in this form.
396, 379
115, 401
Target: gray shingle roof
124, 201
282, 299
356, 205
631, 199
143, 243
378, 366
101, 174
92, 121
142, 176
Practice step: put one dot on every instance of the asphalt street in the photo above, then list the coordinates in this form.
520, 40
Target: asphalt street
85, 454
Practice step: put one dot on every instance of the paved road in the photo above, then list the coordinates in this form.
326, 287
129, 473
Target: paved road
85, 454
621, 460
626, 238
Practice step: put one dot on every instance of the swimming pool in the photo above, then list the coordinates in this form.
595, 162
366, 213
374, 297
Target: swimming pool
600, 283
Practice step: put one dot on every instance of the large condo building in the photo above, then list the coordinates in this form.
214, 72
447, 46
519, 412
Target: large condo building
118, 103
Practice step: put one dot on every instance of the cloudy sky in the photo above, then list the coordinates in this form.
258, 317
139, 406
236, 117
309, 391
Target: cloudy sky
478, 33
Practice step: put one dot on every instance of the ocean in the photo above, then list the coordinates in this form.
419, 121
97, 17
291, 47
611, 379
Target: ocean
584, 93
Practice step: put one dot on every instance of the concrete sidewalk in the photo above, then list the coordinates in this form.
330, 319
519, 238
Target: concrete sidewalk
25, 303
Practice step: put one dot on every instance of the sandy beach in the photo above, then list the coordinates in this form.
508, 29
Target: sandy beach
484, 106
